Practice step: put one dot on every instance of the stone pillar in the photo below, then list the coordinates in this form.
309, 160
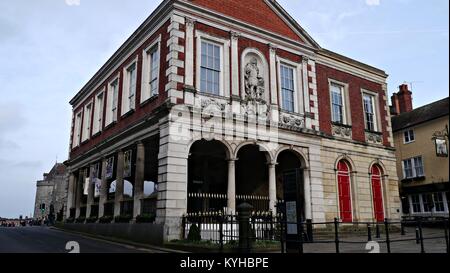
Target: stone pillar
119, 183
90, 199
71, 191
79, 193
273, 75
272, 187
306, 94
307, 190
139, 179
234, 64
189, 63
231, 193
172, 173
103, 190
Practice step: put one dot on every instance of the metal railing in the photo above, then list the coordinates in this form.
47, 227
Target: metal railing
223, 230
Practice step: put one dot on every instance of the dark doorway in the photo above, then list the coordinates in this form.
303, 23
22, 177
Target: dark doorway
290, 195
252, 182
207, 177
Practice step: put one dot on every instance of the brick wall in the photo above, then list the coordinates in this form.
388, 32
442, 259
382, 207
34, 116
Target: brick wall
325, 73
255, 12
140, 111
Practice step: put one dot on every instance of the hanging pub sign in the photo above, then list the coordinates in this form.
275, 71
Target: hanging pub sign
127, 164
109, 167
441, 147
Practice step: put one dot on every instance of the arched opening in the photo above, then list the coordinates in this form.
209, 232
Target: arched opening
290, 182
207, 176
377, 192
252, 178
344, 188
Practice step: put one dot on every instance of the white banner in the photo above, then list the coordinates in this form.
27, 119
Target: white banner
98, 184
86, 186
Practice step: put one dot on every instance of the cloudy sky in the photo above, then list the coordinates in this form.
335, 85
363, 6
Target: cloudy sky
50, 48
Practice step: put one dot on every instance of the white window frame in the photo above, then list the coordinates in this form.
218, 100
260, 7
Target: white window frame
442, 196
87, 121
297, 68
77, 129
376, 109
346, 115
409, 136
224, 78
111, 117
98, 112
146, 70
411, 204
127, 104
413, 166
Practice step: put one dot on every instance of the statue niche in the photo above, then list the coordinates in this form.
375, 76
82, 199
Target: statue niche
254, 81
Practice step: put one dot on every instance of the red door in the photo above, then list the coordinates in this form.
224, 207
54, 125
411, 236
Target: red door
377, 194
345, 203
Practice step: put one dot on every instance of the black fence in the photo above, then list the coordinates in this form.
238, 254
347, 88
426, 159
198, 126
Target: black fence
247, 231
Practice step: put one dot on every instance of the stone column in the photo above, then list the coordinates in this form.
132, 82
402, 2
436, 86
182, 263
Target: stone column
79, 193
306, 95
272, 187
234, 64
119, 183
70, 194
273, 75
103, 190
90, 199
139, 179
307, 189
189, 77
231, 193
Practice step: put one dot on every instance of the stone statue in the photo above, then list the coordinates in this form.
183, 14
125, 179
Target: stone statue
254, 83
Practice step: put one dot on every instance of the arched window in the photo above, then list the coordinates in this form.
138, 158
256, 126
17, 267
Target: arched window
344, 185
377, 192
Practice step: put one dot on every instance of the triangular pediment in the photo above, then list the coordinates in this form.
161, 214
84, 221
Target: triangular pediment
266, 14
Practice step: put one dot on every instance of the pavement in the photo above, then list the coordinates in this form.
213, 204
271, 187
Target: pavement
48, 240
434, 242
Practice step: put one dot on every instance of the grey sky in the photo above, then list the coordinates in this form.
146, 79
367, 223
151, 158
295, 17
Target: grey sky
49, 50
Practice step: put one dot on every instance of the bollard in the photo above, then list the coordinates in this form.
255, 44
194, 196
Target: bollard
369, 233
300, 236
378, 231
422, 247
282, 234
446, 234
221, 220
244, 212
402, 226
417, 236
336, 234
309, 228
388, 241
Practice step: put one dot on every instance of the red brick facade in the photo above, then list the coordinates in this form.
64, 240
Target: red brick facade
255, 12
325, 73
141, 111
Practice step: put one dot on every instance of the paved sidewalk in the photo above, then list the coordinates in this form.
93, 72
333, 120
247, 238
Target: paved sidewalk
434, 243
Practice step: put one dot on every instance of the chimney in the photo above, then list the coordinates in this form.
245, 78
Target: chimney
402, 101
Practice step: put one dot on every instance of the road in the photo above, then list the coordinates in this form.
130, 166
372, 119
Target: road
48, 240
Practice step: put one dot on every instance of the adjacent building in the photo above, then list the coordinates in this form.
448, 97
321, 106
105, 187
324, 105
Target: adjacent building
210, 104
51, 194
421, 141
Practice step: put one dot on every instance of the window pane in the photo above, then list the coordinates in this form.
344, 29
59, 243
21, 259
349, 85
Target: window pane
210, 69
439, 202
416, 203
287, 88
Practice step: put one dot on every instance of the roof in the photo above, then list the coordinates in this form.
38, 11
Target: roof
421, 115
